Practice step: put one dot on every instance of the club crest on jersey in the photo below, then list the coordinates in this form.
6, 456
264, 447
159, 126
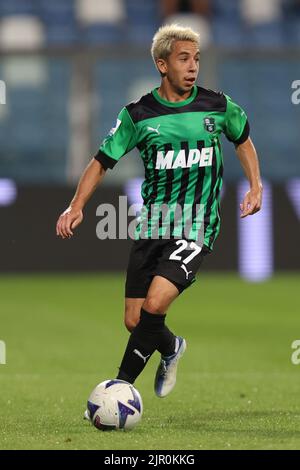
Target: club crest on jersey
209, 124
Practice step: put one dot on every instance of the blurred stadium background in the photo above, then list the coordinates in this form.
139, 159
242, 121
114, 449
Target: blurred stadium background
67, 67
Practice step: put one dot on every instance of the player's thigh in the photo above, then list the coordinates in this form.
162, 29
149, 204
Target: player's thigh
140, 266
160, 295
132, 312
179, 263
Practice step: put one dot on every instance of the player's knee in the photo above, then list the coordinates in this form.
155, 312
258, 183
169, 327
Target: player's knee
130, 323
153, 305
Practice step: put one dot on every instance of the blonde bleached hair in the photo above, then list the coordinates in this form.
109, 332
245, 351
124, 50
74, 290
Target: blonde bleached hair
165, 37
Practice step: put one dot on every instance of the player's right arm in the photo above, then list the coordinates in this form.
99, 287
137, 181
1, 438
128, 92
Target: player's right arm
121, 139
73, 215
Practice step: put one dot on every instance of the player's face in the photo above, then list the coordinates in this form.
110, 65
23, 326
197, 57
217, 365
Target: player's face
182, 66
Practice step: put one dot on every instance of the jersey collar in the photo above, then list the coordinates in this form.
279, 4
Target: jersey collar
178, 103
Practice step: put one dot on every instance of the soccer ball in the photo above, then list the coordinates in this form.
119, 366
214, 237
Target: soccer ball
115, 404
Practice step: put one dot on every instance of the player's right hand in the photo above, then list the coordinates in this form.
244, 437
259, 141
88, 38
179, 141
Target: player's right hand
67, 221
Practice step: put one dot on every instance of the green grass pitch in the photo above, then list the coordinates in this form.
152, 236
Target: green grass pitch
237, 387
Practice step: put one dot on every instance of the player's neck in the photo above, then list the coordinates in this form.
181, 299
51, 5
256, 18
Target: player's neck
168, 93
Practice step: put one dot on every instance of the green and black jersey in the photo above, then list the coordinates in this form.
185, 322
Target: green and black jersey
180, 147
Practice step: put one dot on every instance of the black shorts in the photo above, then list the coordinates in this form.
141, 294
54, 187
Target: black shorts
176, 260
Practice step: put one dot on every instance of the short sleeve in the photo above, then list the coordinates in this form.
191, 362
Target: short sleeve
236, 127
121, 139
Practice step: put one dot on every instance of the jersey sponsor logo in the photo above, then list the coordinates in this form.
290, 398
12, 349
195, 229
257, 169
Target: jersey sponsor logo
209, 124
153, 129
114, 129
166, 161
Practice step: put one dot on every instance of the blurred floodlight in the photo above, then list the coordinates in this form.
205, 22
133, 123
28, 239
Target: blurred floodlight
256, 238
293, 190
8, 192
133, 191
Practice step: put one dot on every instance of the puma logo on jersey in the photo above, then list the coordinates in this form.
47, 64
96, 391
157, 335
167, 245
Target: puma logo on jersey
152, 129
198, 157
187, 273
137, 352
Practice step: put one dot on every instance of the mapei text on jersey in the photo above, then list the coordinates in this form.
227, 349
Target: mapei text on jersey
184, 159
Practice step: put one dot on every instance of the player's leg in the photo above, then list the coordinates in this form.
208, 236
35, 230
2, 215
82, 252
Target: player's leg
160, 295
169, 280
132, 312
179, 263
171, 347
158, 299
138, 280
151, 333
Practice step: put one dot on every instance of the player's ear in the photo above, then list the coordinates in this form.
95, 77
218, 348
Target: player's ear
161, 66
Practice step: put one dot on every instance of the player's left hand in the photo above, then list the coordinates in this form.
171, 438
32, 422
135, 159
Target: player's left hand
252, 202
68, 221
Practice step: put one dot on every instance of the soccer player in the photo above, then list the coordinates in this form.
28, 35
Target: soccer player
176, 128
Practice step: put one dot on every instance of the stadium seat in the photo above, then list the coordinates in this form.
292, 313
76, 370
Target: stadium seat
265, 35
18, 7
100, 22
137, 10
38, 115
21, 31
93, 11
100, 34
292, 31
141, 34
142, 20
226, 10
63, 35
56, 9
60, 22
255, 12
227, 33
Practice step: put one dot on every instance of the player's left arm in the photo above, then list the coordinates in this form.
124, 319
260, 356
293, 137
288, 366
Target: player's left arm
237, 131
249, 160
